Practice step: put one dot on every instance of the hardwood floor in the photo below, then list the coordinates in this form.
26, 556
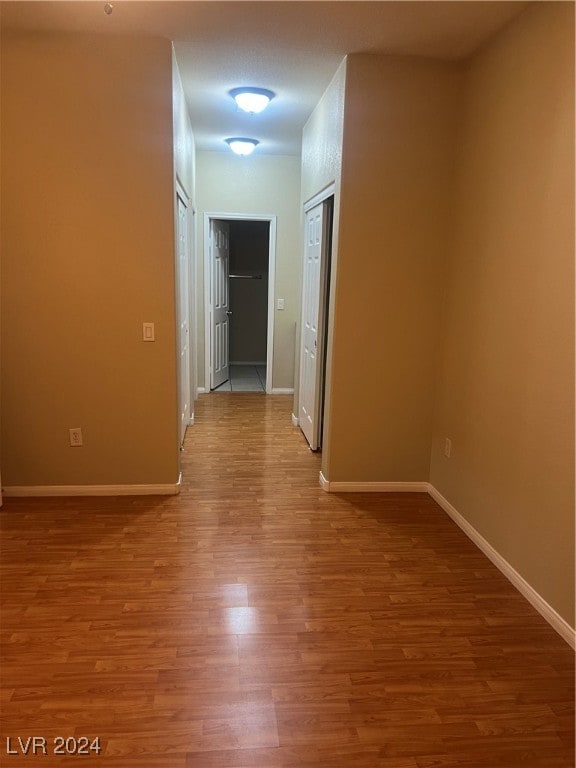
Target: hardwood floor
257, 621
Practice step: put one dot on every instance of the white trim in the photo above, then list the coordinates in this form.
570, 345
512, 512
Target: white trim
360, 487
201, 390
536, 600
282, 391
207, 304
319, 197
271, 302
161, 489
271, 219
295, 423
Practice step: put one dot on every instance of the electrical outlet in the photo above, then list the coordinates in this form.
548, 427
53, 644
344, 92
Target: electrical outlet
447, 447
76, 437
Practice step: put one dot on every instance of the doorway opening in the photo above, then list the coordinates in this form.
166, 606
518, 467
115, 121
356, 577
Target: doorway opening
239, 302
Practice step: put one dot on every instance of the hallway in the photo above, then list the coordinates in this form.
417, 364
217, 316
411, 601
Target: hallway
257, 621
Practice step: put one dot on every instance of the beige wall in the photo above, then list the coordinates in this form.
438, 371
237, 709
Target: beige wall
399, 128
87, 256
507, 375
259, 184
322, 139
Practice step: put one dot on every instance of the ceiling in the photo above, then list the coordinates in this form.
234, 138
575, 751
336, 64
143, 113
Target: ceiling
290, 47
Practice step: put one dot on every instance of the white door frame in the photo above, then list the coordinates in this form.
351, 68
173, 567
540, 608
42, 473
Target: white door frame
325, 269
271, 288
320, 197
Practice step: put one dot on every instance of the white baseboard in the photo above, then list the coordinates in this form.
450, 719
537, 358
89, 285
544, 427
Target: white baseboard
536, 600
160, 489
201, 390
544, 609
296, 422
360, 487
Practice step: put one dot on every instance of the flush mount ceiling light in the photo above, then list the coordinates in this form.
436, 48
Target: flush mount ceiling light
252, 100
242, 146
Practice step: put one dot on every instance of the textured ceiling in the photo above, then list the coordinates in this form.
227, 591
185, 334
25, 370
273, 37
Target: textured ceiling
293, 48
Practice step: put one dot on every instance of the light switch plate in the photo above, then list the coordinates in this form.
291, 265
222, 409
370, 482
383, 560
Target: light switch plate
148, 332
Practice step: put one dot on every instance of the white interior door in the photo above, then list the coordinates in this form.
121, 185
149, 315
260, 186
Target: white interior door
183, 273
311, 352
220, 310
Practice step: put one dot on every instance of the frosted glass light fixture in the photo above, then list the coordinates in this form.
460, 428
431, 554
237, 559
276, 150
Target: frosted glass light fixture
242, 146
252, 100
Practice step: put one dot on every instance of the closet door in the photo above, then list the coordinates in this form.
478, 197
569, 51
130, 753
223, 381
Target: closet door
219, 336
311, 353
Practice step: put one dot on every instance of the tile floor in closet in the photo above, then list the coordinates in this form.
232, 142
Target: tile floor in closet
245, 378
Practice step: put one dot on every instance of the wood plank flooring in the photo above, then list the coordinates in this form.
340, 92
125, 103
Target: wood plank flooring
257, 621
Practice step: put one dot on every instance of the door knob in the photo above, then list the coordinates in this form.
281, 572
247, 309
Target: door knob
228, 312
